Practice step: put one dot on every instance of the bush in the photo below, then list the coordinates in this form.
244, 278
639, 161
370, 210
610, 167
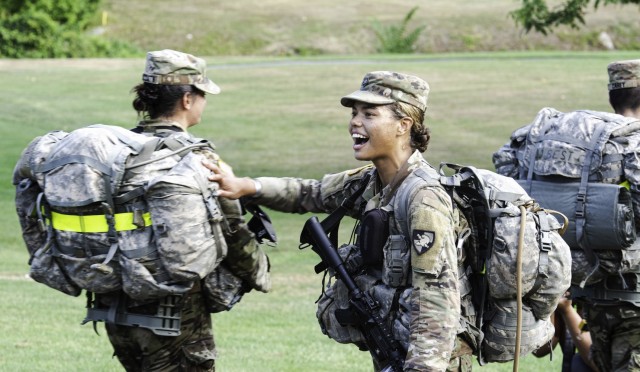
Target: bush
53, 29
393, 39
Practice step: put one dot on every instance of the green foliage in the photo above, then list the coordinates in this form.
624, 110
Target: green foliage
626, 36
53, 29
393, 39
536, 15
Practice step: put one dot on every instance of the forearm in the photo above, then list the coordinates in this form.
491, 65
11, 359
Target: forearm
581, 339
293, 195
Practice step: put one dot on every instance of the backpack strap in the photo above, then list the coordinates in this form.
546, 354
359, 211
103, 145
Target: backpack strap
215, 213
400, 201
331, 223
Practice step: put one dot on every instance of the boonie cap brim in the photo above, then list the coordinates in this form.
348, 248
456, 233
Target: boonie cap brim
366, 97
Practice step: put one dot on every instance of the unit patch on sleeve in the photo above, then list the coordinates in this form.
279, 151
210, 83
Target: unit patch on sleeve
423, 240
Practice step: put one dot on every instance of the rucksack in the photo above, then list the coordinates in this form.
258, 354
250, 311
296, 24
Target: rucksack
488, 207
583, 164
96, 214
491, 211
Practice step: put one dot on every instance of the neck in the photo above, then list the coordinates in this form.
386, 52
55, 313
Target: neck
633, 113
176, 119
388, 167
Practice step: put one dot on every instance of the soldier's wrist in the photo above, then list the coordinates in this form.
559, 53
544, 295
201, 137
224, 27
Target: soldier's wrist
258, 187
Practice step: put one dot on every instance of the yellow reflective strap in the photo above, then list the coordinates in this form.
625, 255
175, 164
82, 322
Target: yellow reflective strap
95, 223
626, 185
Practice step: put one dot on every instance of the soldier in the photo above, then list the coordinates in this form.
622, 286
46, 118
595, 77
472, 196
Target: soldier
610, 297
171, 99
388, 130
615, 325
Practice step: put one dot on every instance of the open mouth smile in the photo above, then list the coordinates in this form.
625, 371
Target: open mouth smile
359, 139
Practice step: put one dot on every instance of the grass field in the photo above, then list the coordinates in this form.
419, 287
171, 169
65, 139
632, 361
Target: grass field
296, 27
275, 116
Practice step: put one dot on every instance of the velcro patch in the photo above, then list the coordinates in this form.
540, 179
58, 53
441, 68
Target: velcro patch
423, 240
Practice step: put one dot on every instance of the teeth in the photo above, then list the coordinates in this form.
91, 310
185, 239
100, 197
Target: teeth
357, 135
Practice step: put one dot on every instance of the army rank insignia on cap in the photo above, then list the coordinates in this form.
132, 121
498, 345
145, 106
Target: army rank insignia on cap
423, 240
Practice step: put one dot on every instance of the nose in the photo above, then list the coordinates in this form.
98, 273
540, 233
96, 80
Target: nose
355, 121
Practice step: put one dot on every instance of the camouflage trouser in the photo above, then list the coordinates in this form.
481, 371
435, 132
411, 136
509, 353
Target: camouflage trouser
461, 357
615, 332
139, 349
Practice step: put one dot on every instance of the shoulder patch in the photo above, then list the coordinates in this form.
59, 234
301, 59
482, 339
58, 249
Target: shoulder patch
423, 240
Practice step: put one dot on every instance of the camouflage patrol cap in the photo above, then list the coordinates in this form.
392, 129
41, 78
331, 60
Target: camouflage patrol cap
624, 74
384, 87
170, 67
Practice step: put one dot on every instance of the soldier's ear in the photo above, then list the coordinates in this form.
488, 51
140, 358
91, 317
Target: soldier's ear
404, 125
187, 100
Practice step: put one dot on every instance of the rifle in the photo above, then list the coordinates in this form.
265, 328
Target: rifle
364, 310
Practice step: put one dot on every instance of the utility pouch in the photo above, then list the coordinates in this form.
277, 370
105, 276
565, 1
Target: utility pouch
395, 271
45, 269
374, 232
501, 328
222, 290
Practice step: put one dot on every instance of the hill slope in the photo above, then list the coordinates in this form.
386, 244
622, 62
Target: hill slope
297, 27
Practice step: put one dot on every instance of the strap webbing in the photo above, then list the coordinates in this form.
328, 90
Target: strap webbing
331, 224
96, 223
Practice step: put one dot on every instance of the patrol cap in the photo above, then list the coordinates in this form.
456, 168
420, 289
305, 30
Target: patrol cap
624, 74
384, 87
170, 67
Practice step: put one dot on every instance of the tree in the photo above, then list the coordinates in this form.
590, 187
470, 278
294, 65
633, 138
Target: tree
536, 15
53, 29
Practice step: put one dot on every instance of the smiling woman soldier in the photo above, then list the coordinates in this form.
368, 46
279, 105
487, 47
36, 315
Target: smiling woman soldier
413, 266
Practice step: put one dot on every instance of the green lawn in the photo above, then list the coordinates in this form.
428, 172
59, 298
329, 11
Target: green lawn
273, 117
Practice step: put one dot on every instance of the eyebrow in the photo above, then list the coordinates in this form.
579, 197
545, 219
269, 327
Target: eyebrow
366, 106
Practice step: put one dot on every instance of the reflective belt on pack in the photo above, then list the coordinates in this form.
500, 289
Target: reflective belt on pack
96, 223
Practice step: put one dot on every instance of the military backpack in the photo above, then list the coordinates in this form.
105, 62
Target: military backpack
492, 211
94, 211
585, 165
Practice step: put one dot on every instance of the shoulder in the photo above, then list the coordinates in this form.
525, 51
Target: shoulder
423, 187
345, 180
334, 188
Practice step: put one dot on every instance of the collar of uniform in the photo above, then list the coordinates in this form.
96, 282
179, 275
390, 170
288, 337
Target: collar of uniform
411, 164
159, 125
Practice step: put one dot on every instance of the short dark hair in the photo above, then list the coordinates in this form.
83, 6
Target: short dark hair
625, 98
154, 100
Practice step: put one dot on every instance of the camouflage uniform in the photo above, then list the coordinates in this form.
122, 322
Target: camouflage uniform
435, 300
614, 325
236, 249
138, 349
